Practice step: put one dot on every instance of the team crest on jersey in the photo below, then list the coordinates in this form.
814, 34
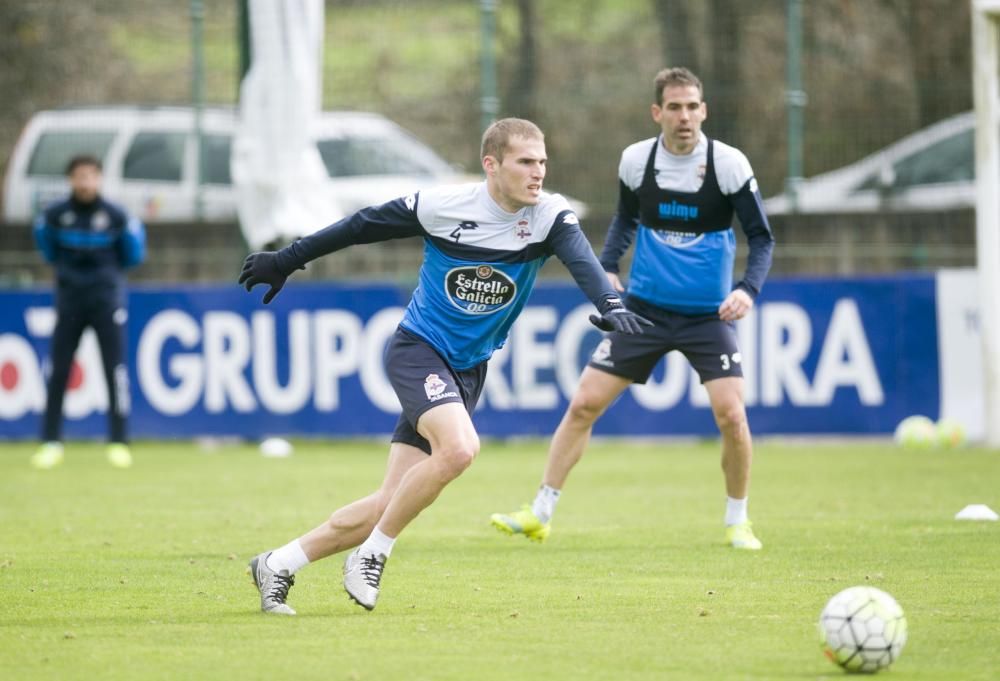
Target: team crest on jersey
479, 289
522, 230
100, 221
602, 352
701, 172
67, 218
410, 201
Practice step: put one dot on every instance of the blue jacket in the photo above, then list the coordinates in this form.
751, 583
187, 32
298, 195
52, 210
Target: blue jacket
90, 244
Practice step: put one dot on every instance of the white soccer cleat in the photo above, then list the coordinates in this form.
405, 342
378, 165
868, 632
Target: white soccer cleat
362, 576
273, 586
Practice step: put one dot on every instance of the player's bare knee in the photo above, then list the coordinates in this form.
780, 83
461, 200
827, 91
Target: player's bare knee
732, 420
585, 409
382, 498
454, 458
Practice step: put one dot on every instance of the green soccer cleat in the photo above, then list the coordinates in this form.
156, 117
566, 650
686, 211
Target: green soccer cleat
119, 455
522, 522
49, 455
741, 536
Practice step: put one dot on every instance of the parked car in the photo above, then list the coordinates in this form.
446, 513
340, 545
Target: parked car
931, 169
149, 156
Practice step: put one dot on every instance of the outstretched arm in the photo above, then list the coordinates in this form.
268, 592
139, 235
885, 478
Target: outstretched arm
572, 248
396, 219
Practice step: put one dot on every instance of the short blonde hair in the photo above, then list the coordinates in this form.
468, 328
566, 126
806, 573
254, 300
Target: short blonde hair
496, 139
673, 77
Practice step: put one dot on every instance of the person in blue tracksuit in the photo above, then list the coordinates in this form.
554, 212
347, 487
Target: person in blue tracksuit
678, 193
484, 243
90, 242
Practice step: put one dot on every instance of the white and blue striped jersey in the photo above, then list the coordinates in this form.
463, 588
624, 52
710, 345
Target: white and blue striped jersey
480, 262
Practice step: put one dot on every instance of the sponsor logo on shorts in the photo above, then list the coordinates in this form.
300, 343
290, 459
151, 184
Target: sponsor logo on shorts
479, 289
435, 388
602, 352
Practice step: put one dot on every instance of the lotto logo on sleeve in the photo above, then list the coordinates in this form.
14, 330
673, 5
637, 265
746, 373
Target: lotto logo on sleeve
479, 289
435, 388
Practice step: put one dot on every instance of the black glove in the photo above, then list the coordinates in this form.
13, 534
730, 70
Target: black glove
615, 317
263, 268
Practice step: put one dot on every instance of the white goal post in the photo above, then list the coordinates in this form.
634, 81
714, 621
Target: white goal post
986, 92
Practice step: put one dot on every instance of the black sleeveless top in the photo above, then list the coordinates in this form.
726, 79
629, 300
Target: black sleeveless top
706, 210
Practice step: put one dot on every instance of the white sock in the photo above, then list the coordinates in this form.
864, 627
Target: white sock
289, 557
736, 511
545, 503
379, 542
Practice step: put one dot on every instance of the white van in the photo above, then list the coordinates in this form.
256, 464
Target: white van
149, 158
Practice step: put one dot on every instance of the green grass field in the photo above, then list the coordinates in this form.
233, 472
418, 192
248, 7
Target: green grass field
139, 574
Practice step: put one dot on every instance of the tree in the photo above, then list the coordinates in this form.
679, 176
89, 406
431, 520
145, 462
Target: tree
723, 84
676, 23
940, 48
721, 22
522, 93
54, 53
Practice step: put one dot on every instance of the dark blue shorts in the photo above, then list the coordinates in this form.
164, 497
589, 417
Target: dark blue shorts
709, 344
422, 379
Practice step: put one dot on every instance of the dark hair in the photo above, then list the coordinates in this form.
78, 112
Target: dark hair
671, 77
82, 160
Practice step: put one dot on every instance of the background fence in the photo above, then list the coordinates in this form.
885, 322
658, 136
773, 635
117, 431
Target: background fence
872, 71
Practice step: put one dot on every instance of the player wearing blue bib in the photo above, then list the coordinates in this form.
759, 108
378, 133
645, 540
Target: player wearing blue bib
678, 193
483, 246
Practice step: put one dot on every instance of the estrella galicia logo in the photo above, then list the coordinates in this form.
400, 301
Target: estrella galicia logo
456, 233
679, 211
479, 289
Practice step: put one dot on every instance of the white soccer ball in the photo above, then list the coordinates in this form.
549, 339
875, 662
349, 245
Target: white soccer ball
916, 432
862, 629
950, 433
